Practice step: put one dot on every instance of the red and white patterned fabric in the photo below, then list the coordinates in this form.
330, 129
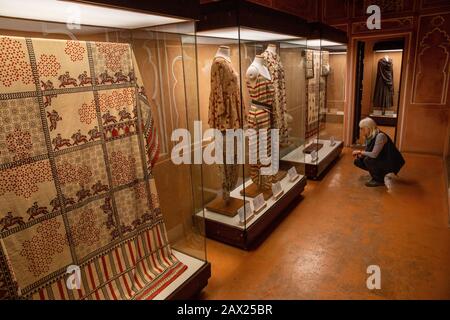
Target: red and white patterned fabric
77, 148
260, 113
279, 109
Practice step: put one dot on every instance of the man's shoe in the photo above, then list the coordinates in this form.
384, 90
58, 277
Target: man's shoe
374, 183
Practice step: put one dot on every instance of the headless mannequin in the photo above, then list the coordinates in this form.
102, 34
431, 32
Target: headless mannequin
254, 70
273, 49
257, 68
224, 52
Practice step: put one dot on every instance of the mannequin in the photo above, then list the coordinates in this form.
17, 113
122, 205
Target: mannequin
224, 52
276, 69
257, 68
383, 96
261, 91
224, 113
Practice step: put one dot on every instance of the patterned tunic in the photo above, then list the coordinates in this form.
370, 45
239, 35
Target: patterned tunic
262, 93
224, 99
276, 69
225, 113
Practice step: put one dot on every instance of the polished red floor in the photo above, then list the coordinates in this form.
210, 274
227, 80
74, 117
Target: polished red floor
322, 249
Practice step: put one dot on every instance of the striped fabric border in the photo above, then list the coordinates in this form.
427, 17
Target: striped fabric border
138, 269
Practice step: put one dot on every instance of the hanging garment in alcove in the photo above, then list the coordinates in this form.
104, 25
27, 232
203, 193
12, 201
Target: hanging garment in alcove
383, 95
77, 148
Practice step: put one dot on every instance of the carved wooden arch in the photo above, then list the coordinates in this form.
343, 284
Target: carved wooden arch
431, 82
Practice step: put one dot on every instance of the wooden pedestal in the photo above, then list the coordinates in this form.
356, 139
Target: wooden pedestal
385, 120
252, 191
246, 238
317, 170
229, 209
281, 174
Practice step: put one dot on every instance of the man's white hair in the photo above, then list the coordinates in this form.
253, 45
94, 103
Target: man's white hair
370, 124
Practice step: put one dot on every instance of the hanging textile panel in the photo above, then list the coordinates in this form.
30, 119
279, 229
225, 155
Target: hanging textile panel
77, 147
317, 66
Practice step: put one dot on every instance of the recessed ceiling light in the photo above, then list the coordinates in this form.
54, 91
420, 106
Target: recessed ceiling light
244, 34
323, 43
75, 14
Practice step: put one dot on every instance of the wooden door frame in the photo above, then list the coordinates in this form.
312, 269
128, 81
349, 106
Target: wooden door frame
351, 60
359, 77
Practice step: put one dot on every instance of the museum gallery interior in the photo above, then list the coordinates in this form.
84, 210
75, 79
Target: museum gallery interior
154, 150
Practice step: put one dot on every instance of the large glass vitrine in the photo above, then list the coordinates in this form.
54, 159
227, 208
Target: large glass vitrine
325, 61
90, 96
252, 86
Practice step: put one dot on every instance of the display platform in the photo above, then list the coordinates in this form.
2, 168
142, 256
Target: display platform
229, 209
243, 235
251, 191
190, 282
389, 120
314, 169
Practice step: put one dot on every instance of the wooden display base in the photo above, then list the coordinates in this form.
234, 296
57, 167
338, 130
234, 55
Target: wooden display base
280, 175
191, 287
248, 237
317, 170
313, 147
252, 191
220, 206
384, 120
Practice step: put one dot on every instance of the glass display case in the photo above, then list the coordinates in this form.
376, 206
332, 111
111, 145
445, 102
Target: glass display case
90, 96
252, 111
325, 62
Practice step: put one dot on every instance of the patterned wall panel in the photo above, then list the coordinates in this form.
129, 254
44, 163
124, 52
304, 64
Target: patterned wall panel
267, 3
387, 25
343, 27
390, 7
432, 4
335, 10
431, 67
306, 9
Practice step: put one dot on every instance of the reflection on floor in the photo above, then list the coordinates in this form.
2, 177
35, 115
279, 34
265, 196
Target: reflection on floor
323, 248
